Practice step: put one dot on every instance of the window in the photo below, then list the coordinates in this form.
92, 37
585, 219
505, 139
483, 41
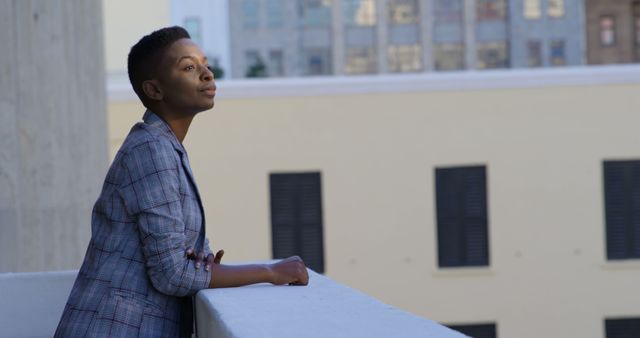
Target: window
449, 56
461, 207
192, 25
317, 61
622, 209
607, 30
250, 14
491, 10
534, 52
359, 12
405, 58
492, 55
448, 11
622, 328
274, 13
532, 9
315, 12
296, 217
637, 30
557, 49
636, 19
251, 57
255, 65
403, 12
361, 60
276, 63
477, 330
556, 8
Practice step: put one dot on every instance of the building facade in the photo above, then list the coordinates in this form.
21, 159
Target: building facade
325, 37
613, 31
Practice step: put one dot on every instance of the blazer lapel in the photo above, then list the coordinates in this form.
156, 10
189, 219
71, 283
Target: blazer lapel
154, 120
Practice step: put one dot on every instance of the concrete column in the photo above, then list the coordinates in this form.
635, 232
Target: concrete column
52, 130
470, 34
426, 34
337, 30
382, 29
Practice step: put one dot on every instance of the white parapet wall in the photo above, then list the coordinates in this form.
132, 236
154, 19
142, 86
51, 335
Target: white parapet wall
31, 303
321, 309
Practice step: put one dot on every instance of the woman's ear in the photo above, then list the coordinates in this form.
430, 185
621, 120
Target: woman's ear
152, 90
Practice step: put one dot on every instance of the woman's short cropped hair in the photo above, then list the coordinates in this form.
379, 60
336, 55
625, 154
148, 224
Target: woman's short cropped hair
145, 56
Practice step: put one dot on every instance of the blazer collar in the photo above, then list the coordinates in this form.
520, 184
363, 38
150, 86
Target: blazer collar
156, 121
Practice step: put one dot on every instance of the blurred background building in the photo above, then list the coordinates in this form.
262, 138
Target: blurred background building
613, 31
298, 38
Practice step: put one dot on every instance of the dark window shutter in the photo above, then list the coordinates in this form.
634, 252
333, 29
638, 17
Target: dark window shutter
477, 330
622, 328
461, 207
296, 217
622, 208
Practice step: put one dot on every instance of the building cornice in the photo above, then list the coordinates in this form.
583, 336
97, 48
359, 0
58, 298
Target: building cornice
119, 89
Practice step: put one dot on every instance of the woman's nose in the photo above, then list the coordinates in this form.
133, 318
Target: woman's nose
208, 74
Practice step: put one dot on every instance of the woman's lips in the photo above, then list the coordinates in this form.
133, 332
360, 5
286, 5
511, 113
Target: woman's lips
209, 91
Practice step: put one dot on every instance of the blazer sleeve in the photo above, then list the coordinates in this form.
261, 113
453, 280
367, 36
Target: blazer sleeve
152, 196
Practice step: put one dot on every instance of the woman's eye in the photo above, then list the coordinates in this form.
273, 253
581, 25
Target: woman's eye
189, 67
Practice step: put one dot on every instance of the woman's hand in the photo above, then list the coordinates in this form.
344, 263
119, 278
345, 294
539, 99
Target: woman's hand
290, 271
199, 258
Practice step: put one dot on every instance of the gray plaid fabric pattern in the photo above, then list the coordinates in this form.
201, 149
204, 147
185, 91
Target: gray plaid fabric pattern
135, 280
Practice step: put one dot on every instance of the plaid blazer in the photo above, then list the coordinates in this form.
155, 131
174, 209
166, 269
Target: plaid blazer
135, 280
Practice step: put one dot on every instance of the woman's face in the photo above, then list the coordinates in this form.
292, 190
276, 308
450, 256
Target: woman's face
186, 81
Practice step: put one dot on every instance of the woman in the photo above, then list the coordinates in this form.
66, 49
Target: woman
147, 245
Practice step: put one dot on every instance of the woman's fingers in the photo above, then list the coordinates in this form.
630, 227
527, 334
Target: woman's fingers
190, 253
218, 256
209, 262
199, 259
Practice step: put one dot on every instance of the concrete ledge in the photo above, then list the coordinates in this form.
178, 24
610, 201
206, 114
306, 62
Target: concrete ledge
119, 88
324, 308
31, 304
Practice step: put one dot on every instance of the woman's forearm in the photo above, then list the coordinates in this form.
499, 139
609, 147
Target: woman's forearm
223, 276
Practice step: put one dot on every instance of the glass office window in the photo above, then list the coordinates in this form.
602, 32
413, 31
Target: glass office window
359, 12
492, 55
403, 12
491, 10
274, 13
315, 12
276, 63
360, 60
317, 61
534, 53
405, 58
555, 8
193, 26
448, 11
607, 30
557, 50
250, 14
448, 56
532, 9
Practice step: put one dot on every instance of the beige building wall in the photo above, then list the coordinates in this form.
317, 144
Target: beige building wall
542, 135
125, 22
